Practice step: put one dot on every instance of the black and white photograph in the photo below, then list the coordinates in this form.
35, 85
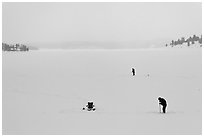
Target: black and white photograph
102, 68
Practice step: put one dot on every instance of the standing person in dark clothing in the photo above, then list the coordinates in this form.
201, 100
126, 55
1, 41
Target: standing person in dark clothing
163, 102
133, 71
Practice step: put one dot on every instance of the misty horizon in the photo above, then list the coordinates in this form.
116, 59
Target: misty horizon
95, 45
125, 25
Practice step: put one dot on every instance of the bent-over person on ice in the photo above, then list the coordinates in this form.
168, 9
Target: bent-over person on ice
90, 106
163, 103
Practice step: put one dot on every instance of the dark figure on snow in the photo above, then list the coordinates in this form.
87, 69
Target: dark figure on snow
90, 106
133, 71
163, 103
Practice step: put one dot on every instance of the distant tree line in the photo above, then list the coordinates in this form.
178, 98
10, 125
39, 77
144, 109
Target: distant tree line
191, 40
15, 47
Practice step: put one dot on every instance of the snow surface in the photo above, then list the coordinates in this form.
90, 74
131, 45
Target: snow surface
44, 91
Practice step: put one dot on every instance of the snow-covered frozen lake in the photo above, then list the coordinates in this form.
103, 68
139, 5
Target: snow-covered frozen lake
43, 92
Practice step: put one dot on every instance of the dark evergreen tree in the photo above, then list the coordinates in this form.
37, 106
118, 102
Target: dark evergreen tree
175, 42
182, 40
200, 40
172, 42
179, 41
188, 42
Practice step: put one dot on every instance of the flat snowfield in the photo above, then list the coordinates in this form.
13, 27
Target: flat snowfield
44, 92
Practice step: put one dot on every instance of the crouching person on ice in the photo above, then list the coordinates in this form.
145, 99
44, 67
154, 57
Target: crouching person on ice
163, 103
90, 106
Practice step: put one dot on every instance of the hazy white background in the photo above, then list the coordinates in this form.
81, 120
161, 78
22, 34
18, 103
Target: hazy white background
143, 23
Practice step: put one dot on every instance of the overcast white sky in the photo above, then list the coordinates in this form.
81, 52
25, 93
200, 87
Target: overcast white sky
64, 22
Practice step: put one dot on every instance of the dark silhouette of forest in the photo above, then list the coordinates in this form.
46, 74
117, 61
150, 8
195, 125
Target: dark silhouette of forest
15, 47
189, 41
